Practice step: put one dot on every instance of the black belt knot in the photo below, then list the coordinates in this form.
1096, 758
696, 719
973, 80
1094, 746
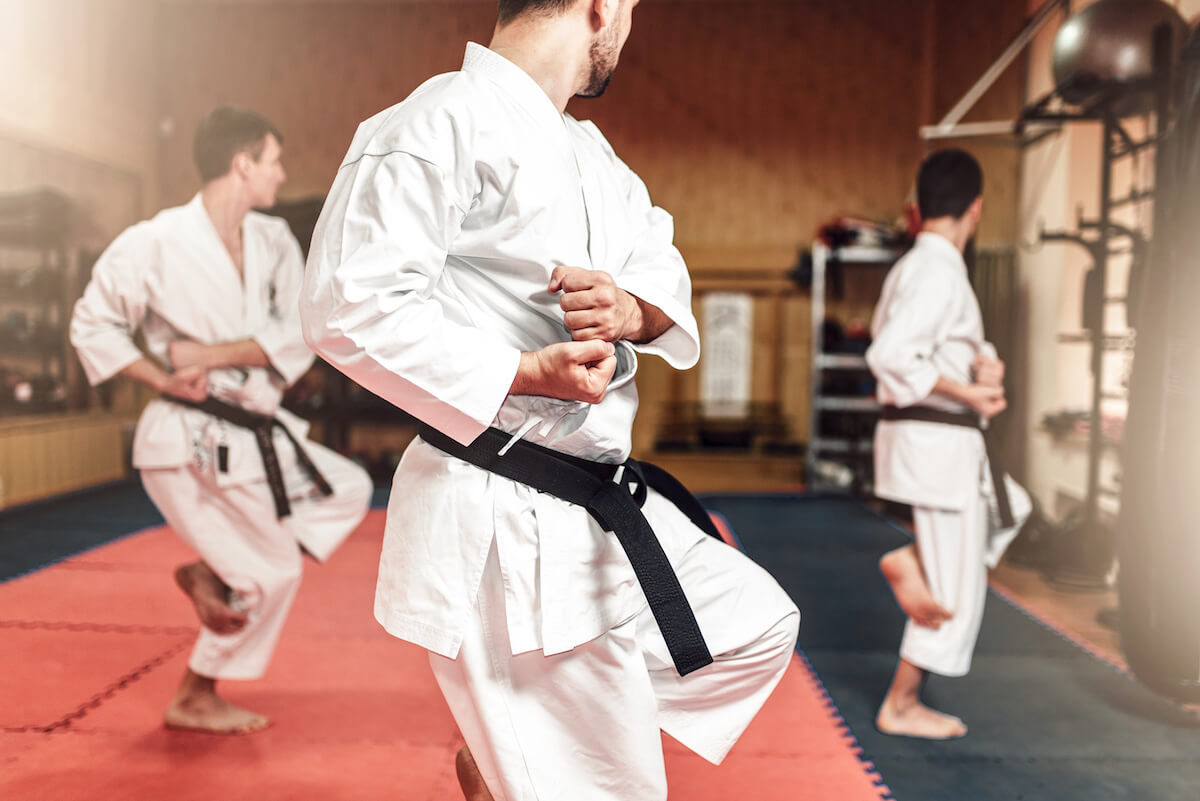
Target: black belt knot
263, 426
615, 503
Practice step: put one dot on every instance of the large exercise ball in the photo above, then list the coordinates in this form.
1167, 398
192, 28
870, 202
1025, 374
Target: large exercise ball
1112, 40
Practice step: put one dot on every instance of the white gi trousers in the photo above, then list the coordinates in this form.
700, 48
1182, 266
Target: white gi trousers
236, 533
957, 548
585, 724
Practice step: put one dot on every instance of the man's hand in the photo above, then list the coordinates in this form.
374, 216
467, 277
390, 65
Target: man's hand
986, 399
187, 383
988, 371
575, 371
595, 307
186, 353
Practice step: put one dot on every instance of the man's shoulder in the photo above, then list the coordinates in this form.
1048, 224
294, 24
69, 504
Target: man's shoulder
587, 128
443, 108
921, 264
163, 225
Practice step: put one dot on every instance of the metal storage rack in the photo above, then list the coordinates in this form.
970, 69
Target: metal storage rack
35, 300
854, 452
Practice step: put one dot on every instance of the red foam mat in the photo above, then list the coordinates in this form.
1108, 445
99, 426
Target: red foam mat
91, 650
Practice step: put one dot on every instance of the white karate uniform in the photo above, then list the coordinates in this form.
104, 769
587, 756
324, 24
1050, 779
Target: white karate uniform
427, 279
170, 278
927, 325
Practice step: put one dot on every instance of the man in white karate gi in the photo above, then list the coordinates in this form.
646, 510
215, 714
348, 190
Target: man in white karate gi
485, 262
938, 378
212, 286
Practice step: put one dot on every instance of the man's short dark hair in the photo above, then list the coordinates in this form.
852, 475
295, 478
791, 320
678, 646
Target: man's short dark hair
948, 183
511, 9
223, 133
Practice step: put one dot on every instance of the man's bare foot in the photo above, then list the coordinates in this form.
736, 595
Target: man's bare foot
469, 778
918, 720
210, 596
197, 707
902, 569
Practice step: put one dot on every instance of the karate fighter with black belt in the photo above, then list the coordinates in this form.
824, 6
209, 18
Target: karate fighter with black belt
485, 262
211, 286
939, 383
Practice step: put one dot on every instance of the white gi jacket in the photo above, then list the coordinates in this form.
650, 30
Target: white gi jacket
927, 325
426, 280
171, 277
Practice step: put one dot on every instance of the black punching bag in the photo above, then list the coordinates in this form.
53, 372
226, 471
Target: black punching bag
1158, 534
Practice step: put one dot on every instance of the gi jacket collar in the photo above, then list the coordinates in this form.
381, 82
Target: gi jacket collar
515, 81
942, 246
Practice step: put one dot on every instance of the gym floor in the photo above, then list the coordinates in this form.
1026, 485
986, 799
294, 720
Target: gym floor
93, 637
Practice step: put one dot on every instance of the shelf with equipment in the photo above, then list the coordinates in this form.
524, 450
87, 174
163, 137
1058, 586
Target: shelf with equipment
38, 373
844, 408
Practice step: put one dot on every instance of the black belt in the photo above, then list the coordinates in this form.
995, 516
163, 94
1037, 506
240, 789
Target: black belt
263, 427
617, 508
927, 414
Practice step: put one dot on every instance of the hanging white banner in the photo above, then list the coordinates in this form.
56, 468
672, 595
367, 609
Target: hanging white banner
728, 319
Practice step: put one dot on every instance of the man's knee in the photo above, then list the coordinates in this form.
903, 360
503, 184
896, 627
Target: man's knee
787, 631
281, 583
353, 486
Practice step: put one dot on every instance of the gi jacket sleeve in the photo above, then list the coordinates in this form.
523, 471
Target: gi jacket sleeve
655, 270
378, 252
113, 306
280, 337
901, 355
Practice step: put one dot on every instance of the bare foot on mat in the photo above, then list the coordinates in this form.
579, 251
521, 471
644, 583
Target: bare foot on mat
918, 720
197, 707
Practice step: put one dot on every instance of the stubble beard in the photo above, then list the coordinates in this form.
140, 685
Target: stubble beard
603, 57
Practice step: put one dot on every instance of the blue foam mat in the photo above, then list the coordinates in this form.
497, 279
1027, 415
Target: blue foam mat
42, 533
1048, 721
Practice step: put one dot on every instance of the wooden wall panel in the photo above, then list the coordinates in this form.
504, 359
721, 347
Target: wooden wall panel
45, 456
315, 69
966, 38
752, 122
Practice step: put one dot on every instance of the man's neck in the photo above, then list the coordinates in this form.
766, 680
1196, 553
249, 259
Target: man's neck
553, 51
956, 231
227, 207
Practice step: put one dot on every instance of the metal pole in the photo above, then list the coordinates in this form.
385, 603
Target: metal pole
820, 257
1096, 432
955, 115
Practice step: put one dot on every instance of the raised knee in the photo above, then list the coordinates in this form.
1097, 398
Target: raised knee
791, 628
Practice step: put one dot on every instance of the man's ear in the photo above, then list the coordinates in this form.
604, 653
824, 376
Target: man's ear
603, 13
976, 208
241, 163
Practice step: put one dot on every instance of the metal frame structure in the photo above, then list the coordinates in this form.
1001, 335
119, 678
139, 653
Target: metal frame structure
952, 127
1099, 236
822, 256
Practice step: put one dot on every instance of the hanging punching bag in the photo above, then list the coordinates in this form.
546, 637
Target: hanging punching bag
1158, 534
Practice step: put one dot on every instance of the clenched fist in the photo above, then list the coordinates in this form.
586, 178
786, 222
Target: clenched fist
985, 399
988, 371
575, 371
595, 307
188, 383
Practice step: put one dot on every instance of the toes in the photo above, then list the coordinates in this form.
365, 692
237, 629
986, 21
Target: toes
253, 725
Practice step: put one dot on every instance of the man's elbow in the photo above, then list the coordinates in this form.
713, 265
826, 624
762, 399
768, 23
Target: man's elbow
314, 327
